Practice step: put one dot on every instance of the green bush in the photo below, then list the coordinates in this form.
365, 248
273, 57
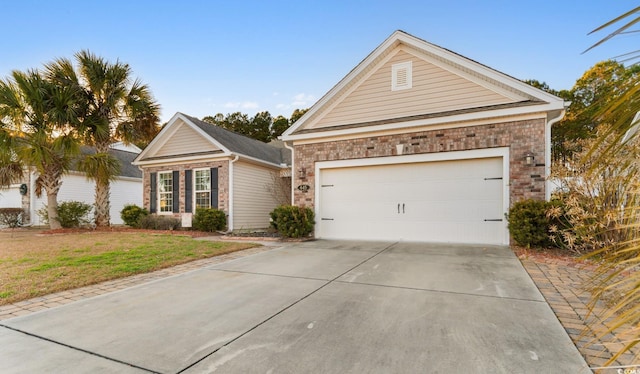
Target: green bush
209, 220
132, 214
292, 221
70, 213
11, 217
529, 224
156, 222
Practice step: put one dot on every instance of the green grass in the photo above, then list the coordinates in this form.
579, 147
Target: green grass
40, 265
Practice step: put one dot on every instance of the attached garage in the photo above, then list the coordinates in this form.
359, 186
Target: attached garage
418, 143
412, 199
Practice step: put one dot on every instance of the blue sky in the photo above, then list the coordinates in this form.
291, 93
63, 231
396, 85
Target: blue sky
208, 57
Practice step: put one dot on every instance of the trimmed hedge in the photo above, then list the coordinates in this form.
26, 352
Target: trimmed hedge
209, 220
157, 222
292, 221
71, 214
132, 214
529, 223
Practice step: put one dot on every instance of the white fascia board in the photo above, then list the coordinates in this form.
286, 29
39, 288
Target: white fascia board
156, 139
343, 82
184, 159
478, 67
460, 118
402, 37
168, 130
259, 161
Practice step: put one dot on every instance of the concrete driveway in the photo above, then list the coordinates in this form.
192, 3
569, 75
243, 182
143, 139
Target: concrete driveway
313, 307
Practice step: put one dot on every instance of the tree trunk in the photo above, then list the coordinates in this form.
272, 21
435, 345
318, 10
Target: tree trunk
50, 181
52, 210
103, 189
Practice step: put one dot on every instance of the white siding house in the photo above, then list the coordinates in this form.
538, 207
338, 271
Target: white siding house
126, 189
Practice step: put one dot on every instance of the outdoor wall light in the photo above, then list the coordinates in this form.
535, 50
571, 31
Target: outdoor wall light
529, 158
302, 173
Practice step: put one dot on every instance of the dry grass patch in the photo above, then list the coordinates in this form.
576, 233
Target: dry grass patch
33, 265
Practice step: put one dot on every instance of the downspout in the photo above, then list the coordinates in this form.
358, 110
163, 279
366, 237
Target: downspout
292, 170
230, 220
547, 153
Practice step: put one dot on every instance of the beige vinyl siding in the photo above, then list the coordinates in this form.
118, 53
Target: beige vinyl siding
184, 140
434, 90
252, 202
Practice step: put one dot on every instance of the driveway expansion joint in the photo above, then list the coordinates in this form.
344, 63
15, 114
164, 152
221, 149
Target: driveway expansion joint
79, 349
441, 291
327, 282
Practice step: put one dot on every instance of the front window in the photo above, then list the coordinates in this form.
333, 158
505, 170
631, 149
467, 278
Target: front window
165, 189
203, 188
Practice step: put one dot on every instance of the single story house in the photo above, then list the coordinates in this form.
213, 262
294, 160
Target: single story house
193, 164
419, 143
126, 189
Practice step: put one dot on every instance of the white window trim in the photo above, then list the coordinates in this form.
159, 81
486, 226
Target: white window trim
159, 209
195, 190
395, 68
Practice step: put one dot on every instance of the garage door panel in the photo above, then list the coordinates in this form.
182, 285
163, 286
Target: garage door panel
444, 201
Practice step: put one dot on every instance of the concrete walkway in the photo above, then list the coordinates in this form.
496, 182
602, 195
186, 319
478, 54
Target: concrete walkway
309, 307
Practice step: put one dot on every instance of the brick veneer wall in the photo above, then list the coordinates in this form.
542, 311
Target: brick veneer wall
520, 136
223, 181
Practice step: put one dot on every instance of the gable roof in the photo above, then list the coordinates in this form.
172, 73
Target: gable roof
125, 158
519, 97
229, 142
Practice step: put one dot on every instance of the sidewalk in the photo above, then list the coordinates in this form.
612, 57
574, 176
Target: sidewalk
561, 281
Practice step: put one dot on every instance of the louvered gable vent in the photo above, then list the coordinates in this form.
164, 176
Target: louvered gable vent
401, 76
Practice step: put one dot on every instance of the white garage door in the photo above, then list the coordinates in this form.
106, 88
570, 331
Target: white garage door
457, 201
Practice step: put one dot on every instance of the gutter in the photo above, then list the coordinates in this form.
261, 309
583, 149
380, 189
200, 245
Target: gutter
230, 220
547, 153
293, 169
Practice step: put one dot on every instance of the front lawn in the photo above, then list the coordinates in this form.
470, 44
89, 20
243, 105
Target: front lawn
33, 264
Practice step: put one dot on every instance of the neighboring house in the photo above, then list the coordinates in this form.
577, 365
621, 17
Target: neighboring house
125, 189
418, 143
193, 164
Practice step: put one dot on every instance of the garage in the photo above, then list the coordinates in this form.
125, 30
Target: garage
458, 201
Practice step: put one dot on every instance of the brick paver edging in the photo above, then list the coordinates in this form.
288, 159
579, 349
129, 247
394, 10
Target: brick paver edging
563, 282
25, 307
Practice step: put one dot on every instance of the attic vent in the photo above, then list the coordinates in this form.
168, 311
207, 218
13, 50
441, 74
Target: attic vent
401, 76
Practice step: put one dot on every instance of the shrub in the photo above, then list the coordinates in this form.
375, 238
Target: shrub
70, 213
156, 222
529, 224
132, 214
209, 220
11, 217
292, 221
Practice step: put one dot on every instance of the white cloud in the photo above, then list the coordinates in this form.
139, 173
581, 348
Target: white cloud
250, 105
303, 100
241, 105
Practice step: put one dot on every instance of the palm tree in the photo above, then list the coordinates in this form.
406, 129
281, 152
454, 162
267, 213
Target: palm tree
115, 108
35, 119
618, 279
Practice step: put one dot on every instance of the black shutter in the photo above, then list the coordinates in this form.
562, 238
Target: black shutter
214, 188
188, 191
153, 196
176, 192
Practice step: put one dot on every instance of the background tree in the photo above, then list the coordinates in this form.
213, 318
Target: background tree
260, 127
280, 125
596, 89
36, 115
297, 113
113, 108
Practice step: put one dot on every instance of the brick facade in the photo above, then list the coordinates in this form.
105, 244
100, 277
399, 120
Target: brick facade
223, 181
521, 137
